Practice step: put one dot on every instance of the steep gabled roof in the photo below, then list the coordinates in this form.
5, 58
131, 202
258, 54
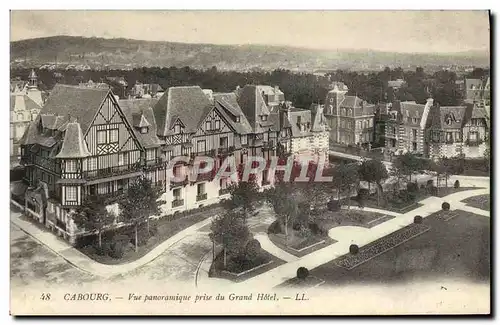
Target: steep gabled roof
253, 106
73, 145
81, 103
188, 103
140, 113
22, 102
227, 105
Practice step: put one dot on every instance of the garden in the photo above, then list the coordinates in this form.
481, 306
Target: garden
480, 202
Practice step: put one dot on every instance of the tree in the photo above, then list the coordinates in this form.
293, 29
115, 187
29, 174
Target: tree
93, 215
280, 198
140, 204
408, 164
373, 171
231, 232
243, 196
345, 179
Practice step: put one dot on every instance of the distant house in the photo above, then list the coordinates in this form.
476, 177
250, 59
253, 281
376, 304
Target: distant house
139, 90
92, 84
396, 84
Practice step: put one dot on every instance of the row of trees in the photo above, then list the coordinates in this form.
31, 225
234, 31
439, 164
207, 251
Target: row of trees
135, 209
300, 88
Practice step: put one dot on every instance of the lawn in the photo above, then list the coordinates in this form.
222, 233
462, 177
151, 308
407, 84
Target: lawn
458, 248
167, 227
480, 202
300, 246
236, 265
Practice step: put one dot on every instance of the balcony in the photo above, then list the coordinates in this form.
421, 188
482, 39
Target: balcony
111, 171
154, 163
178, 183
201, 197
177, 203
223, 191
226, 150
473, 143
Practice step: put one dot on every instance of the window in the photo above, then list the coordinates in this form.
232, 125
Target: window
414, 146
177, 128
283, 133
70, 166
449, 136
201, 188
177, 194
244, 139
223, 183
208, 125
101, 137
20, 116
223, 142
342, 124
343, 111
217, 124
237, 119
393, 143
394, 130
144, 130
473, 136
299, 120
150, 154
70, 193
201, 146
264, 117
309, 125
331, 99
113, 135
92, 164
370, 123
414, 134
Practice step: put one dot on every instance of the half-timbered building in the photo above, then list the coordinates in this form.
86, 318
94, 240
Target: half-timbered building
81, 144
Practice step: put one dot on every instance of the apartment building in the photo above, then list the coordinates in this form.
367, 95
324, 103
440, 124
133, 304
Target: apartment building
457, 130
405, 127
350, 118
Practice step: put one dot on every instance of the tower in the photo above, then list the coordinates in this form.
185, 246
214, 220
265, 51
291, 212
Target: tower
32, 80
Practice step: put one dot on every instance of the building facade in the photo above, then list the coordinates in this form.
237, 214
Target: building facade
25, 104
350, 119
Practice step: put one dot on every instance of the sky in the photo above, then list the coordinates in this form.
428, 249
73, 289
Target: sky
398, 31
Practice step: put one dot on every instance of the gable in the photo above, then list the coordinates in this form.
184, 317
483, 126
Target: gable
110, 131
214, 118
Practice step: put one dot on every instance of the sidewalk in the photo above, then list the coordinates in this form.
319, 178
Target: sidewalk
86, 264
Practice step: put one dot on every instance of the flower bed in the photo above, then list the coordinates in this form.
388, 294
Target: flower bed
481, 202
380, 246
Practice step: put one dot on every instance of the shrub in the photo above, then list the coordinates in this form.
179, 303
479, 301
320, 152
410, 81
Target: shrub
354, 249
412, 187
445, 206
153, 230
275, 228
434, 191
302, 273
142, 237
304, 232
118, 246
418, 219
252, 249
296, 226
333, 205
315, 229
457, 184
105, 249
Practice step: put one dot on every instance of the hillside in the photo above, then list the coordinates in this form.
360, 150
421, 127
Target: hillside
121, 53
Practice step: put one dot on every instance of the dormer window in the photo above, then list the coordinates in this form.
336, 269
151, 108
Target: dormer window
177, 128
208, 125
263, 117
237, 119
217, 124
144, 130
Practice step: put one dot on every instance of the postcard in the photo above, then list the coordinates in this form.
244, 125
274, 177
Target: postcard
250, 163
